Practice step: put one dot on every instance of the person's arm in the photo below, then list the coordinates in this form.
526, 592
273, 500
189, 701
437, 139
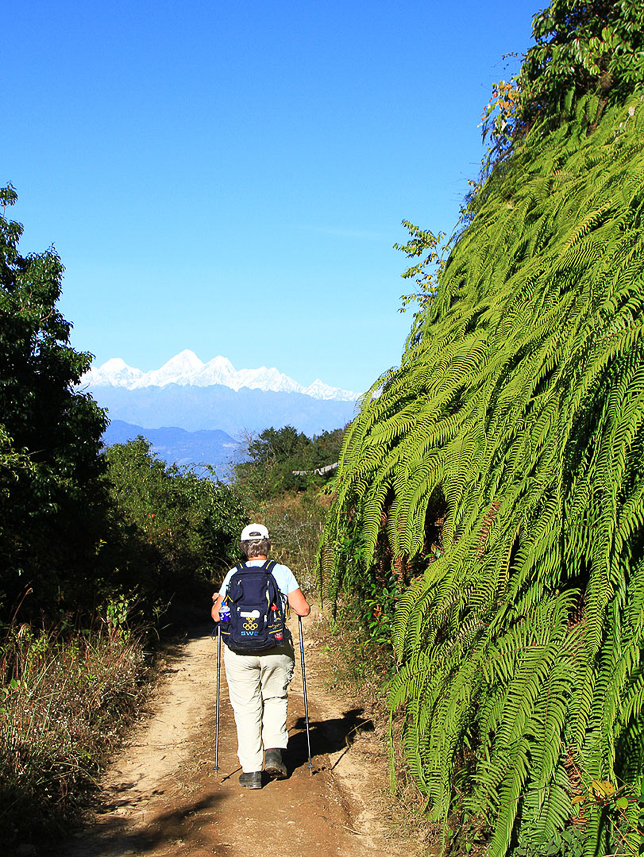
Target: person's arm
219, 600
218, 597
298, 602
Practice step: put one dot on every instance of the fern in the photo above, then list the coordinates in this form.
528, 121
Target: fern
519, 403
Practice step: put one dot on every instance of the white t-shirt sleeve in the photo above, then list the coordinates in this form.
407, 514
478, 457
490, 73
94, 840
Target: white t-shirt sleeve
285, 579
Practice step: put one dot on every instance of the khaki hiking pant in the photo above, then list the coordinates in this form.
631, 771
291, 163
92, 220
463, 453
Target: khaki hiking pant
257, 686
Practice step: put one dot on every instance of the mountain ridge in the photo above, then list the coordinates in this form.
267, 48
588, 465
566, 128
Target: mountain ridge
186, 369
219, 407
177, 446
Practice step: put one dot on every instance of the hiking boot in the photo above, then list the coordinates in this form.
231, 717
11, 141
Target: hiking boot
252, 780
274, 766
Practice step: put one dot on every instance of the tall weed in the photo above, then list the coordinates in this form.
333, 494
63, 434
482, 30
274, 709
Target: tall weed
64, 701
295, 522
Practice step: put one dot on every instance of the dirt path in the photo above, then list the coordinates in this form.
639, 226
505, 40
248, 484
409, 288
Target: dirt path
161, 796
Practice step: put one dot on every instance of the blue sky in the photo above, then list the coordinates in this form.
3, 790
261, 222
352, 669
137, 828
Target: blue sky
230, 177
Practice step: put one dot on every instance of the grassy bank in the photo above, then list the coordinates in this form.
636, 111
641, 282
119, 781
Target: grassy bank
65, 698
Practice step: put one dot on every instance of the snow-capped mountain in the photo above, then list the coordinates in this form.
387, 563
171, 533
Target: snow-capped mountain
186, 369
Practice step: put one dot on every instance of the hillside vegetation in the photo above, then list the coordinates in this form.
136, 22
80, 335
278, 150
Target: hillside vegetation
100, 548
95, 549
491, 488
282, 482
486, 526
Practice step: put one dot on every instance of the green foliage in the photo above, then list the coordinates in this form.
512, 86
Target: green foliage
274, 454
582, 48
498, 473
13, 464
49, 433
431, 250
292, 506
170, 527
278, 445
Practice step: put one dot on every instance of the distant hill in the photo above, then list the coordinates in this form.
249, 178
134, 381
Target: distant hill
219, 407
176, 445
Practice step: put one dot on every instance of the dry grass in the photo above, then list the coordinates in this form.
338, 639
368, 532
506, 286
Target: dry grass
63, 706
358, 677
295, 522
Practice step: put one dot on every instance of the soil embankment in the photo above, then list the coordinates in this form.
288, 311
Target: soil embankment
161, 795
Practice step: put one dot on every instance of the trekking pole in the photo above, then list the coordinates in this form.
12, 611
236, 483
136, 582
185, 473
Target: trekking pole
217, 704
306, 705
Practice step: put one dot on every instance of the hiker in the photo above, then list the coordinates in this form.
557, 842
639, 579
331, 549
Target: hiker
258, 679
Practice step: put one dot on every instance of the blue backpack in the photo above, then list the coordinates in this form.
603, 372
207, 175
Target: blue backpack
256, 604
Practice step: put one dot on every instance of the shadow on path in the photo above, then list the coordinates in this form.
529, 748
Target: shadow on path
327, 737
114, 836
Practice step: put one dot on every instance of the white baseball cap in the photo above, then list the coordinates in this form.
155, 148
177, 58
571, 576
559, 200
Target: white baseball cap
254, 531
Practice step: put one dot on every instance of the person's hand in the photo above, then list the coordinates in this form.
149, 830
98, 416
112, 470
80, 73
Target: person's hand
299, 603
216, 606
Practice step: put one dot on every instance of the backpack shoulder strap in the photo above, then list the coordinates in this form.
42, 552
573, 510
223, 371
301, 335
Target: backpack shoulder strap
238, 569
282, 599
